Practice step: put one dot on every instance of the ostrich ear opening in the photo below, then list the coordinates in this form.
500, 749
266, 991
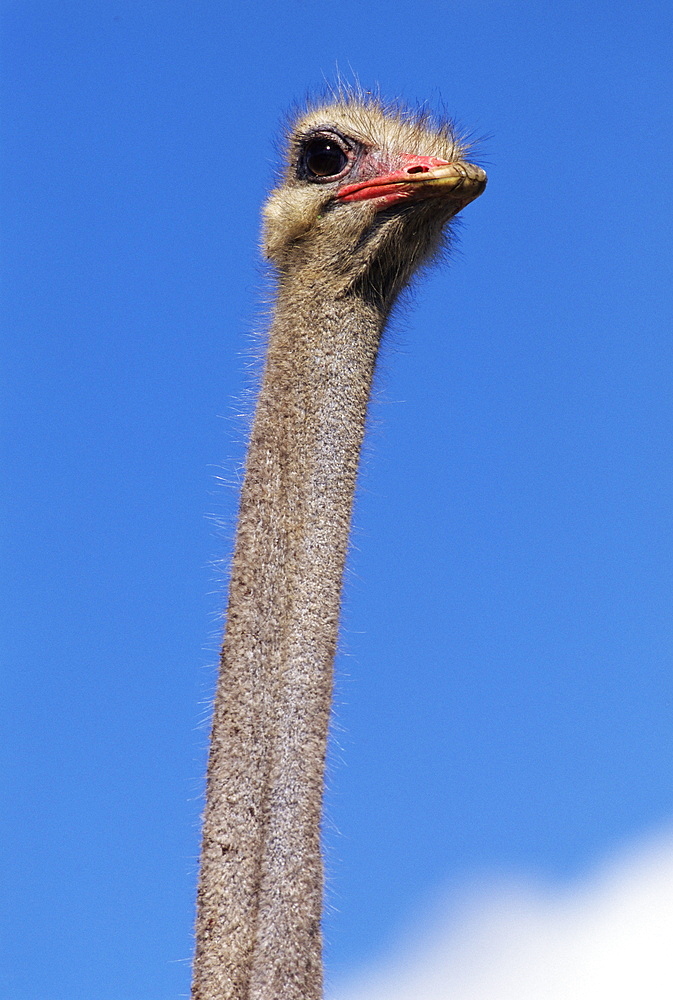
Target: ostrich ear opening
286, 217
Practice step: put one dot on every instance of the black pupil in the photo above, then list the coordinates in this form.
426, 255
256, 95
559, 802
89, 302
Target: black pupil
324, 158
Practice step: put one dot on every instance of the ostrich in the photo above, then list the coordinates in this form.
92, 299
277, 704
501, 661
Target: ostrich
365, 200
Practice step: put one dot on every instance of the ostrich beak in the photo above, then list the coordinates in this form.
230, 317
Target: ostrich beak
421, 177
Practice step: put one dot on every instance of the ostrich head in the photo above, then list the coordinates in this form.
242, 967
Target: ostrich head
366, 197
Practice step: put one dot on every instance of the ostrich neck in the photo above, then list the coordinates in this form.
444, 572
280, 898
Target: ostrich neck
261, 886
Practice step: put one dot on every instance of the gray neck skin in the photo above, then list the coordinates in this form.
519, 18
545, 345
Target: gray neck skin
261, 884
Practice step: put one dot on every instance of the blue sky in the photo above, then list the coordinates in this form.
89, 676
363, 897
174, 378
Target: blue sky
504, 691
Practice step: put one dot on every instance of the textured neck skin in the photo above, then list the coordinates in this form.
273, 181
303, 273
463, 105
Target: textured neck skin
261, 883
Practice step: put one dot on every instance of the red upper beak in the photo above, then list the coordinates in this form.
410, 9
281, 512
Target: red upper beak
420, 177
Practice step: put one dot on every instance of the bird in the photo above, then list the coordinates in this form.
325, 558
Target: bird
366, 198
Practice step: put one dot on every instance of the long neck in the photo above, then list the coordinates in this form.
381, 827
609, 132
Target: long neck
261, 883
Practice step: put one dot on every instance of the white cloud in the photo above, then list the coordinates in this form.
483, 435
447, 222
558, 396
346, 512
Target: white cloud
607, 938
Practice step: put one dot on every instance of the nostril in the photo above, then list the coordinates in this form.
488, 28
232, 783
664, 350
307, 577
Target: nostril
418, 169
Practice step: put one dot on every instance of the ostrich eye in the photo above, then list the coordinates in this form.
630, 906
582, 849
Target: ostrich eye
324, 158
